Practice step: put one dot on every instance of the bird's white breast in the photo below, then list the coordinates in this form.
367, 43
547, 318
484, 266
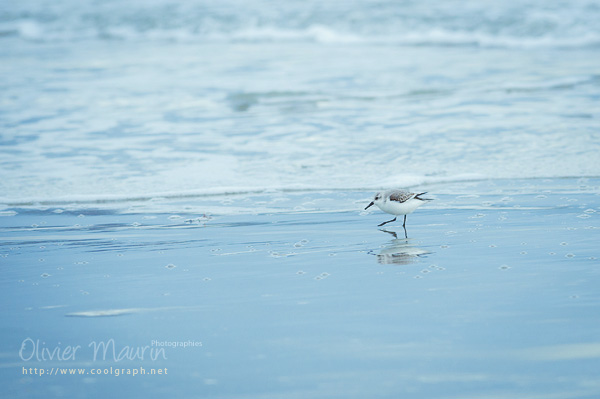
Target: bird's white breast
400, 208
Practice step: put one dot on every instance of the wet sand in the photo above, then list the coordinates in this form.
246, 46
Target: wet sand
493, 294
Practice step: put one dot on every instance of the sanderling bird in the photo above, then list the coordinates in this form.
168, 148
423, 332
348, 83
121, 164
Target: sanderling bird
397, 202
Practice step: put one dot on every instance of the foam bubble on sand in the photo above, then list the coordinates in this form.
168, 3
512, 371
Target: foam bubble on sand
104, 313
126, 311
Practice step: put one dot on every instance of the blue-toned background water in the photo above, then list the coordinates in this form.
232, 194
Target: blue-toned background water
198, 171
130, 99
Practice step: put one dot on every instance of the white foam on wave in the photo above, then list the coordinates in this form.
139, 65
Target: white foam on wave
404, 181
444, 37
421, 37
36, 31
315, 33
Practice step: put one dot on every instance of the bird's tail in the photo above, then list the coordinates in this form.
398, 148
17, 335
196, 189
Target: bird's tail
423, 199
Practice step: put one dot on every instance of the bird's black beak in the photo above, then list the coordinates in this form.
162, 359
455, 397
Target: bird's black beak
372, 203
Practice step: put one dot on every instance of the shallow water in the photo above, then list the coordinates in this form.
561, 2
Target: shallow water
492, 295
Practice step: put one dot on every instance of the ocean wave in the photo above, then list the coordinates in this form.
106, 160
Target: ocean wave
31, 30
523, 24
405, 181
552, 84
432, 37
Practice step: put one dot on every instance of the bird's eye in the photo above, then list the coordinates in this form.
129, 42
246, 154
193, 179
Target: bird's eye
377, 197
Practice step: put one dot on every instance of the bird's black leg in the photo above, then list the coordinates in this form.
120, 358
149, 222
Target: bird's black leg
389, 221
404, 224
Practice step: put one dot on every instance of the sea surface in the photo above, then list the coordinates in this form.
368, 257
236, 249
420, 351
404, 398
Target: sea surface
144, 98
197, 171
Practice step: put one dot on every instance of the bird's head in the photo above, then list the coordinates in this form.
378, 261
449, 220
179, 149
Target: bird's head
376, 200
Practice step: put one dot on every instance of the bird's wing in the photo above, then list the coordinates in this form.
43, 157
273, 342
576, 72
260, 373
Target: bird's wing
401, 195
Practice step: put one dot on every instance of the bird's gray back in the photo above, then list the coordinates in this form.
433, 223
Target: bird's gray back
400, 195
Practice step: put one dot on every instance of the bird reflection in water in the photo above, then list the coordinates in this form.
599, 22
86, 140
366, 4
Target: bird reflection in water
400, 251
